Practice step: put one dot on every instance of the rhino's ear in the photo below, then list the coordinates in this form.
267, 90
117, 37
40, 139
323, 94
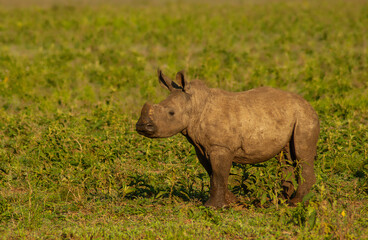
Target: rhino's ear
164, 81
180, 79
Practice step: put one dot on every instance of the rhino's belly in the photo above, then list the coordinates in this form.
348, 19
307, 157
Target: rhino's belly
258, 152
254, 158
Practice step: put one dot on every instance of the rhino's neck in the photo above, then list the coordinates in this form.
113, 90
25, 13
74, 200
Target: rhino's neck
199, 101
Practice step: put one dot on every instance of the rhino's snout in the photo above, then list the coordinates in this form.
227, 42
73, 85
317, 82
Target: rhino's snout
145, 125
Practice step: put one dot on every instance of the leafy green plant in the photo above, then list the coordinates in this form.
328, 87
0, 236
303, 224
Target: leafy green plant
74, 76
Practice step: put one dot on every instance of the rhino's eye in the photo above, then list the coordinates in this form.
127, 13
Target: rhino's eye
172, 113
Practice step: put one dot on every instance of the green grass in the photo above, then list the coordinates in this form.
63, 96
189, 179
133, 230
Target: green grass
73, 78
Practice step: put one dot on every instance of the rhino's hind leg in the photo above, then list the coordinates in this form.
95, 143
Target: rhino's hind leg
287, 161
305, 144
306, 180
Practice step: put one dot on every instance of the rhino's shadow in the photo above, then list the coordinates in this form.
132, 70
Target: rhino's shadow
143, 186
146, 186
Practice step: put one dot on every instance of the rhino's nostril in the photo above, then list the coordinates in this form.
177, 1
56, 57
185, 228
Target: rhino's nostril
150, 127
145, 128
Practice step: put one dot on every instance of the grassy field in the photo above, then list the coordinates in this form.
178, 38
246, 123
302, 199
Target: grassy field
73, 77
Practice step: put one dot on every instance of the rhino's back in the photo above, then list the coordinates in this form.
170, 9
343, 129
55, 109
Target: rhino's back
264, 102
255, 124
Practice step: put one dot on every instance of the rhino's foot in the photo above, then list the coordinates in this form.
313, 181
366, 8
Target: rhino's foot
214, 203
294, 201
221, 202
288, 190
230, 197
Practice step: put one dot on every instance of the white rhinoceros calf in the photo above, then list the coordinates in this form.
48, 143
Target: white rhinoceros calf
243, 127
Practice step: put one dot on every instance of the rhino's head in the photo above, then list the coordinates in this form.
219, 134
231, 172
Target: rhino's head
170, 116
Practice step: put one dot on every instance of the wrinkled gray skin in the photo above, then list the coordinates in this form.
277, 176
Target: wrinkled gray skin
243, 127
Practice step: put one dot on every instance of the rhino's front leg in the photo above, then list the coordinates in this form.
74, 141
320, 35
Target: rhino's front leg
221, 161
